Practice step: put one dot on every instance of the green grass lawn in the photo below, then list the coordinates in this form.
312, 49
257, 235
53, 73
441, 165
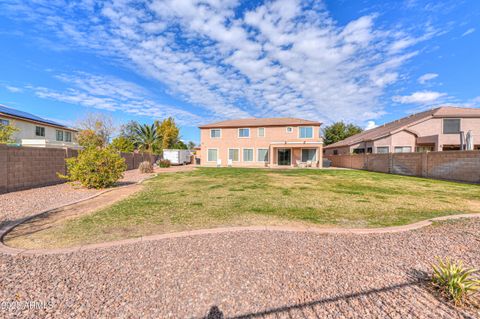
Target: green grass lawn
213, 197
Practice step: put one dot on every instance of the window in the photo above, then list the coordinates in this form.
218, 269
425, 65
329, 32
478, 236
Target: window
403, 149
358, 151
248, 154
423, 149
335, 152
243, 132
59, 135
305, 132
308, 155
261, 132
451, 126
39, 131
262, 155
289, 129
215, 133
68, 136
4, 122
233, 154
369, 150
212, 155
383, 150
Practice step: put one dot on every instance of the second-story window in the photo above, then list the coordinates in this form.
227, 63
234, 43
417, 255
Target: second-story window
261, 132
4, 122
243, 132
215, 133
289, 129
39, 131
68, 136
305, 132
451, 126
59, 135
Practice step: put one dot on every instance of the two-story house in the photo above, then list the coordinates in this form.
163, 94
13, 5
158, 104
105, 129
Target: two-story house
261, 142
34, 131
439, 129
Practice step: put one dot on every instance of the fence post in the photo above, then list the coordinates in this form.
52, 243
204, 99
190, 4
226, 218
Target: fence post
425, 164
3, 169
390, 163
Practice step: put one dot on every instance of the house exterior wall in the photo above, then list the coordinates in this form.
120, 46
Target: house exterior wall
26, 135
273, 136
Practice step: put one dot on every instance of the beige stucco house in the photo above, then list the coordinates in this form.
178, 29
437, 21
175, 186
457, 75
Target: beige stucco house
260, 142
34, 131
439, 129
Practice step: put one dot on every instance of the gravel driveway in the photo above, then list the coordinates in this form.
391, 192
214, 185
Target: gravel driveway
245, 274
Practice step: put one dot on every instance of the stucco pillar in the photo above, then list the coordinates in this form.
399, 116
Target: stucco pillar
320, 157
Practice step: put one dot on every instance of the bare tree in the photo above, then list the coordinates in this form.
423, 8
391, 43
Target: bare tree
102, 124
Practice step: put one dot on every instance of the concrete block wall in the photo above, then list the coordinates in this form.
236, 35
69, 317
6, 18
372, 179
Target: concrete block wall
463, 166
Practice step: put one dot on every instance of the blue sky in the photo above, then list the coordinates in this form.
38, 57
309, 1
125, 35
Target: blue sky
366, 62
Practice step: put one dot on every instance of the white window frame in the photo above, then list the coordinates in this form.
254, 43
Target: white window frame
377, 147
215, 129
268, 155
44, 131
258, 132
214, 161
62, 133
300, 129
289, 129
459, 125
244, 128
309, 149
402, 149
228, 154
68, 140
253, 154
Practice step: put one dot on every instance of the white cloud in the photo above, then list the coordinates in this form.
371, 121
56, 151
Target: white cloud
423, 97
13, 89
427, 77
370, 125
282, 58
112, 94
469, 31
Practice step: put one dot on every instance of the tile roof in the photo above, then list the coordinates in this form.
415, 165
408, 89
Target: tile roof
256, 122
28, 116
403, 123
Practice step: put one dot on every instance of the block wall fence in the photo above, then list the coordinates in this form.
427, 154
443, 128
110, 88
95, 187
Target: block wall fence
461, 166
29, 167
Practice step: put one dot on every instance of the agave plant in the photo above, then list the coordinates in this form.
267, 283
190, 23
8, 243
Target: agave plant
455, 281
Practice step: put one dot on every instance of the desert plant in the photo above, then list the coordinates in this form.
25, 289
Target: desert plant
164, 163
145, 167
146, 138
455, 281
95, 167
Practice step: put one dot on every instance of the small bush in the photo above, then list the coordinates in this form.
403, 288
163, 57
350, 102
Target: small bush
95, 168
164, 163
455, 281
145, 167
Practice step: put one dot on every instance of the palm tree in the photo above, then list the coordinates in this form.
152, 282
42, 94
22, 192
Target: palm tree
146, 137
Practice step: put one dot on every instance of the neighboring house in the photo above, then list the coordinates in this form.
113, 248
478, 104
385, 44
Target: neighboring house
439, 129
261, 142
35, 131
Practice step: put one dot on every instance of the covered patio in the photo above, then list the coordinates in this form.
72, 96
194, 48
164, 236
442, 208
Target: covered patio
295, 154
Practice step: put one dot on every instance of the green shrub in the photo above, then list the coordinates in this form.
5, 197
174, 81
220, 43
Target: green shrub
123, 144
145, 167
164, 163
455, 281
6, 133
95, 168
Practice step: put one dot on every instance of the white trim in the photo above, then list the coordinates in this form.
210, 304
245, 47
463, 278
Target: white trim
243, 154
216, 129
244, 128
217, 155
377, 147
228, 154
306, 138
264, 131
268, 155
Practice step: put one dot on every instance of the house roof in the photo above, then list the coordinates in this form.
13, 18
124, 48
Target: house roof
17, 114
258, 122
404, 123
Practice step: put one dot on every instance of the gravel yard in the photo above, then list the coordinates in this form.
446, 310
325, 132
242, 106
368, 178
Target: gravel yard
246, 274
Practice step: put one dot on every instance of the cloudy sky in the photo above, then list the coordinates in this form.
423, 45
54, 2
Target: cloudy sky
366, 62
